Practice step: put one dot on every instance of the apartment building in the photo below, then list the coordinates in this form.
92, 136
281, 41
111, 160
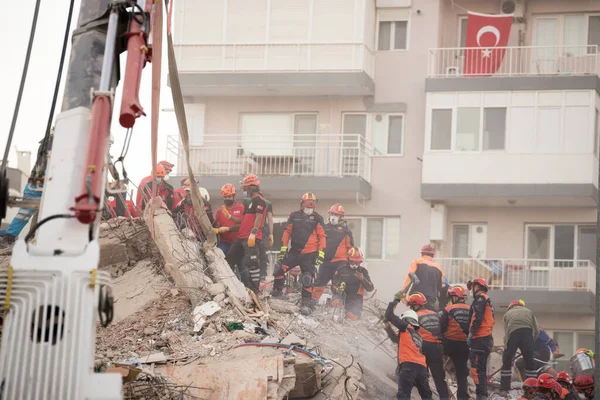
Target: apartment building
368, 103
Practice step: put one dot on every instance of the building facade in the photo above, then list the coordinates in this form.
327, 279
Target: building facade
367, 103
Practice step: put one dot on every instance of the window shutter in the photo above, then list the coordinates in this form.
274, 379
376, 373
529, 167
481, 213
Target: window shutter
267, 134
199, 21
333, 21
393, 14
289, 21
195, 120
246, 21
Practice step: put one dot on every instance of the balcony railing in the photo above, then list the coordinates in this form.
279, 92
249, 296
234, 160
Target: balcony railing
280, 57
511, 274
328, 155
514, 61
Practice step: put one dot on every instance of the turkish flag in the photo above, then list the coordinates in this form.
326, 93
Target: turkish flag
486, 41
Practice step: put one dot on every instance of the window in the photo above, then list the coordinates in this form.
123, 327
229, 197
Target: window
573, 31
564, 243
462, 32
384, 131
441, 129
378, 237
569, 343
597, 133
393, 35
467, 129
469, 240
494, 128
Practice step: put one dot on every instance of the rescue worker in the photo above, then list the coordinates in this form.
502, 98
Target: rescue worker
265, 244
244, 251
179, 194
350, 283
529, 389
454, 324
566, 382
544, 348
546, 387
228, 218
185, 217
584, 384
431, 333
520, 330
413, 367
142, 197
338, 244
130, 210
480, 340
306, 238
431, 277
163, 189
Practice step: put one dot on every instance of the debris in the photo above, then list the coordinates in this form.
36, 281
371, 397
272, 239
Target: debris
292, 339
201, 312
311, 323
234, 326
283, 307
216, 288
174, 292
154, 358
219, 298
128, 372
220, 269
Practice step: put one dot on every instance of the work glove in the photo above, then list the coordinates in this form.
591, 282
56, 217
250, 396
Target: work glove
320, 257
271, 241
225, 212
223, 229
399, 296
282, 252
252, 240
469, 339
341, 288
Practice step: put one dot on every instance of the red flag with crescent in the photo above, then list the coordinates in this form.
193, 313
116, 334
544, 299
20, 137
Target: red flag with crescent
486, 41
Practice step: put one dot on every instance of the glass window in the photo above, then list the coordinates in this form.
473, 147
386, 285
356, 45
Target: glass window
441, 129
355, 225
394, 137
538, 243
467, 129
566, 343
374, 238
392, 238
400, 35
460, 241
463, 32
585, 340
385, 35
593, 31
587, 243
574, 35
494, 128
355, 124
564, 242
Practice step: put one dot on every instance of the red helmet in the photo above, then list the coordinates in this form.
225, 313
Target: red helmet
516, 303
416, 299
337, 209
558, 388
168, 166
584, 381
530, 386
457, 291
563, 377
355, 255
227, 190
480, 281
250, 180
428, 250
309, 200
546, 381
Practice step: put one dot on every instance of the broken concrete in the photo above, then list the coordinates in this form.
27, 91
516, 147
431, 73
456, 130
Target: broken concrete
221, 272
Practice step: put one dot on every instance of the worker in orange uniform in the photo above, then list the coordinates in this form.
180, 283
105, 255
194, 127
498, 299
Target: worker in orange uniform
163, 189
546, 387
306, 239
339, 242
566, 383
431, 332
413, 367
454, 323
480, 340
228, 218
529, 389
244, 251
431, 277
350, 283
584, 384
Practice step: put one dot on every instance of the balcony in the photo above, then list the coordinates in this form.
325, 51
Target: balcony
564, 285
294, 69
520, 68
338, 167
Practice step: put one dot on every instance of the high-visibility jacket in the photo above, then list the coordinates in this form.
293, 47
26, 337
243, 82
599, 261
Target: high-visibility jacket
410, 342
431, 277
430, 325
481, 315
304, 233
339, 242
455, 321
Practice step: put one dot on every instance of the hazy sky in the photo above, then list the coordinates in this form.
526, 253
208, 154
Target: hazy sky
37, 97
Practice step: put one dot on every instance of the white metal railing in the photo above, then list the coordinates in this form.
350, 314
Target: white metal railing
514, 61
279, 154
276, 57
521, 274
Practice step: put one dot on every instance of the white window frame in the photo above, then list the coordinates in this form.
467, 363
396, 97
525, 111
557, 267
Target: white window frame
575, 337
470, 225
461, 18
369, 115
362, 241
552, 238
561, 25
393, 35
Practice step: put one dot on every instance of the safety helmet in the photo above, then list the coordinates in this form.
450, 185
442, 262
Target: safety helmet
479, 281
428, 250
530, 386
584, 381
589, 352
204, 194
227, 190
411, 317
546, 381
309, 200
187, 183
250, 180
168, 166
416, 299
355, 255
184, 180
337, 209
563, 377
516, 303
458, 291
160, 171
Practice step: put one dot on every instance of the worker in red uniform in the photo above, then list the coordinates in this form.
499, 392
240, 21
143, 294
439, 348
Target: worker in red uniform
454, 323
185, 217
228, 218
546, 387
480, 340
431, 332
350, 283
431, 277
584, 384
529, 389
179, 194
565, 380
130, 210
306, 239
244, 251
163, 189
413, 367
339, 242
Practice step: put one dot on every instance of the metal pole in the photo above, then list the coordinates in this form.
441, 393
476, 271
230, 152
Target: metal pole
597, 308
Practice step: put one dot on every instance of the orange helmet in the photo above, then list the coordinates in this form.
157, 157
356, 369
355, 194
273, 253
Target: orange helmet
250, 180
160, 171
458, 291
516, 303
480, 281
355, 255
227, 190
546, 381
428, 250
337, 209
168, 166
416, 299
309, 200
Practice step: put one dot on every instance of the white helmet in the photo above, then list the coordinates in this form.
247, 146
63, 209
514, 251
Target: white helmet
204, 194
411, 317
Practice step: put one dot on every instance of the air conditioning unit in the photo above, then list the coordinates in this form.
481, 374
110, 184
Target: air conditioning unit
516, 7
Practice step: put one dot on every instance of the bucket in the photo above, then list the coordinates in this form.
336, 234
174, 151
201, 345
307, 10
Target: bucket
581, 364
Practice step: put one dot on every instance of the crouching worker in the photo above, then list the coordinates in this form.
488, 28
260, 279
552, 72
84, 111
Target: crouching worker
349, 284
413, 367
